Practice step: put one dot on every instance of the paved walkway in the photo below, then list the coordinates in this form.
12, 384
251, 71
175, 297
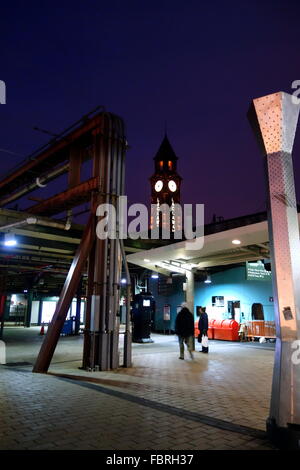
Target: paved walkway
218, 401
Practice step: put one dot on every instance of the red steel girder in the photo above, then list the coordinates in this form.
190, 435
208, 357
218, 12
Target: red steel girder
67, 200
66, 296
58, 152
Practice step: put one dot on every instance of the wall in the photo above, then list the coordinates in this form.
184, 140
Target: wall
232, 284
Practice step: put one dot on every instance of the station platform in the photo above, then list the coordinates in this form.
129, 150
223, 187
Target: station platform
218, 401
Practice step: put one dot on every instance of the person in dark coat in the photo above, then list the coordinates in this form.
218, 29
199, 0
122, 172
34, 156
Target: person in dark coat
184, 328
203, 326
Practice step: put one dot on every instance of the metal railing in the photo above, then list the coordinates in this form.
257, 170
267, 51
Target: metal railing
258, 328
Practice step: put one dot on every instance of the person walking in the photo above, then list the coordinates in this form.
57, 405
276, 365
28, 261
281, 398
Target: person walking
184, 328
203, 327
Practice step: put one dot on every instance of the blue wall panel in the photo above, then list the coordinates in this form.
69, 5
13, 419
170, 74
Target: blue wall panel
232, 284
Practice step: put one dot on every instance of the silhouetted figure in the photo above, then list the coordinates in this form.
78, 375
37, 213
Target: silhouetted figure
184, 328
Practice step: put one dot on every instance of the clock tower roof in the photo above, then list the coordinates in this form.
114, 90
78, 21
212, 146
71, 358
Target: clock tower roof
165, 151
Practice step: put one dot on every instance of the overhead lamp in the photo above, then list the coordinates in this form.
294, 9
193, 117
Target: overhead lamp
170, 267
123, 281
154, 276
10, 239
147, 260
208, 279
236, 242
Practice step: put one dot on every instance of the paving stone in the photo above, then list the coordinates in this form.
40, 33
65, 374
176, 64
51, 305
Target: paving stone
46, 412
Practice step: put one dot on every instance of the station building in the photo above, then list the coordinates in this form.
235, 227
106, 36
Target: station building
230, 275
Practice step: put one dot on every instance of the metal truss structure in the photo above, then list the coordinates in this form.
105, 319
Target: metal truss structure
99, 137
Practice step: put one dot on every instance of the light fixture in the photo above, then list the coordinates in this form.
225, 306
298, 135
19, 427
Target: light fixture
147, 260
123, 281
10, 239
236, 242
154, 276
170, 267
208, 279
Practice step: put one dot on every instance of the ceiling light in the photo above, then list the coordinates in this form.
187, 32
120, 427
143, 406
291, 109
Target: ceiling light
208, 279
123, 281
10, 239
236, 242
154, 276
147, 260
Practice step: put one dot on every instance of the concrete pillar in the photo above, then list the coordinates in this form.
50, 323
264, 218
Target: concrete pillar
78, 308
29, 309
189, 293
275, 117
40, 312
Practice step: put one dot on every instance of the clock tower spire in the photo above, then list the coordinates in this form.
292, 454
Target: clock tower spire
165, 187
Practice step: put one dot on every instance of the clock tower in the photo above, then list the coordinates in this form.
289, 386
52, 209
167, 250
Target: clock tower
165, 189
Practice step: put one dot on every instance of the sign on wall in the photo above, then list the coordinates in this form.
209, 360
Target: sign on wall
167, 312
257, 272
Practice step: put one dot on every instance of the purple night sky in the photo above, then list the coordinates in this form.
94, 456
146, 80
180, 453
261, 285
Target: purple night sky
195, 64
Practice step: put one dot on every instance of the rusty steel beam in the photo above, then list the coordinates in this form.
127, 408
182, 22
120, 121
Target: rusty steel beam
69, 290
66, 200
74, 166
57, 153
45, 178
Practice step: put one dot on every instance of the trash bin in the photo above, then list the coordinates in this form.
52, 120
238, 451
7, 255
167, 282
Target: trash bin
68, 328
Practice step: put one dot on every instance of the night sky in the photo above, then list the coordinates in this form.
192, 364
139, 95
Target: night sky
194, 64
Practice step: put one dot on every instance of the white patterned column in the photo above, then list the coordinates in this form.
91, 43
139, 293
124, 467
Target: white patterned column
275, 117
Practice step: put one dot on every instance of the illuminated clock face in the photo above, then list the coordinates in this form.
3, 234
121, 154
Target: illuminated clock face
172, 186
158, 186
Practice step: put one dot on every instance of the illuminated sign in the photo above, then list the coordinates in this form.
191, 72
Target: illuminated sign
257, 272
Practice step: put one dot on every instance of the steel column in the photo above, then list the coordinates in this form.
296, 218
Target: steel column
275, 118
102, 339
49, 344
87, 345
127, 361
29, 309
74, 166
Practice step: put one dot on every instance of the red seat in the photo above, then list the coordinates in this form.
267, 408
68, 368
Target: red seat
227, 330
